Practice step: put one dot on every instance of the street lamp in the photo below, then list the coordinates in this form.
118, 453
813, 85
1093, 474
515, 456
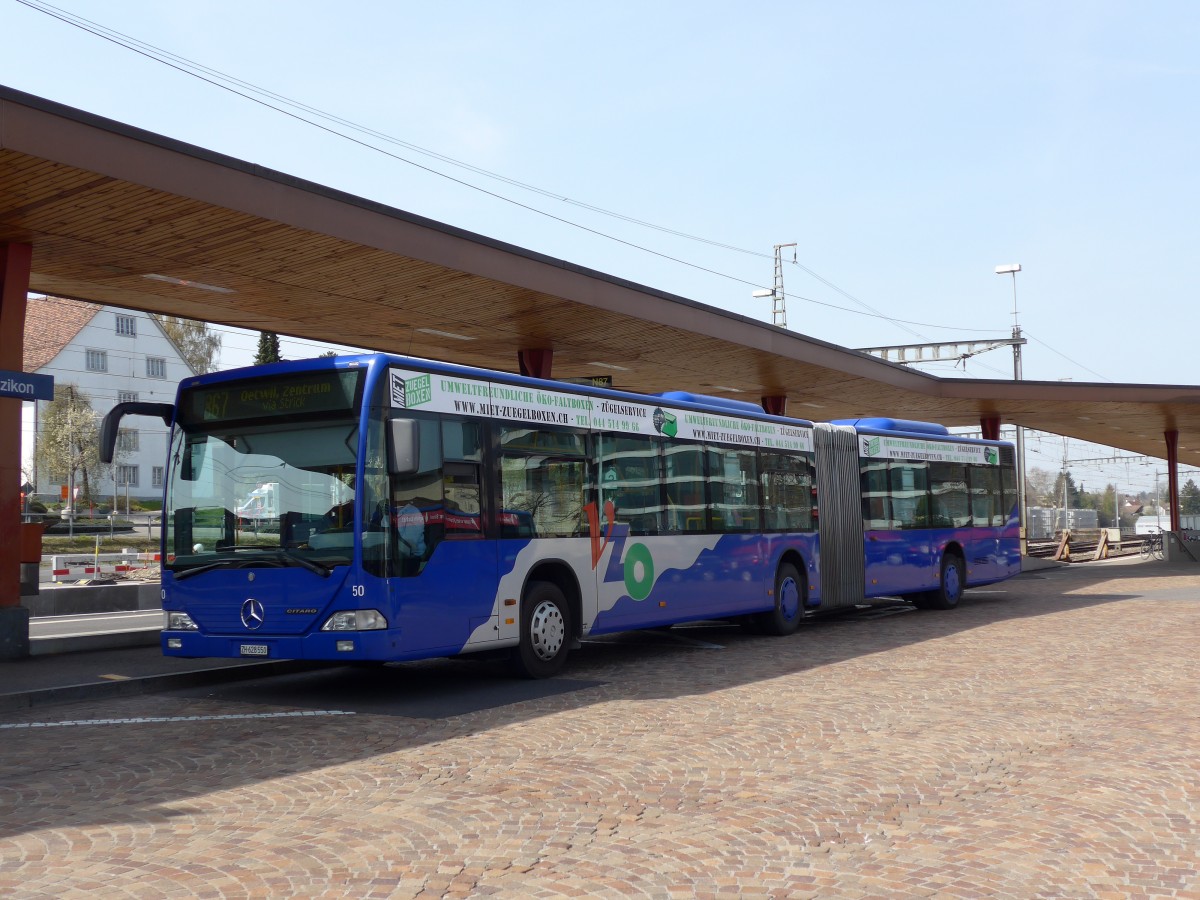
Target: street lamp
1017, 341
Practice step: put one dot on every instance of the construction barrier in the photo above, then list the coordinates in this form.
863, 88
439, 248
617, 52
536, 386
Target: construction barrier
77, 565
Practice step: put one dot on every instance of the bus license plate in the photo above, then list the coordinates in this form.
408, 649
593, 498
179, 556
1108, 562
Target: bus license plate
255, 650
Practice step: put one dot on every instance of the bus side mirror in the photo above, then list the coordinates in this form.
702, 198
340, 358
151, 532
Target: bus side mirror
404, 448
112, 421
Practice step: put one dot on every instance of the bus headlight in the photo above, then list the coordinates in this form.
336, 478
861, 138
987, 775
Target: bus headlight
178, 621
356, 620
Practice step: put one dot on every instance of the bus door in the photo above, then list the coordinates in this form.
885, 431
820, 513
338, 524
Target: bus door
539, 497
443, 564
987, 559
899, 554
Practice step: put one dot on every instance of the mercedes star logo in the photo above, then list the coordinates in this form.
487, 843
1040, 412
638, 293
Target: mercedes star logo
253, 614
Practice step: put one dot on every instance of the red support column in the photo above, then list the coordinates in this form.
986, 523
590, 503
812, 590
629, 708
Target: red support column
14, 285
535, 363
776, 406
991, 427
1173, 475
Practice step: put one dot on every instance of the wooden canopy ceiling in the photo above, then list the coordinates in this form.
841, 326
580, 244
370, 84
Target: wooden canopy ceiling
105, 206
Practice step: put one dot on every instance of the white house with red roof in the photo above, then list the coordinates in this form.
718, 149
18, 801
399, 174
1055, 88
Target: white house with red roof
112, 355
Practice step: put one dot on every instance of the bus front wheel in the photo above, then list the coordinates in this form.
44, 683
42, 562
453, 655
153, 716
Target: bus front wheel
545, 632
950, 588
785, 618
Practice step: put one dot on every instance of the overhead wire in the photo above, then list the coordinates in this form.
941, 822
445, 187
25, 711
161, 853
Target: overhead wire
231, 84
1067, 358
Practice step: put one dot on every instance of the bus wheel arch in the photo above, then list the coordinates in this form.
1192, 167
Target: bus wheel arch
791, 596
549, 622
952, 581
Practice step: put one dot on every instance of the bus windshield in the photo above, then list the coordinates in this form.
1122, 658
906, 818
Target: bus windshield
273, 491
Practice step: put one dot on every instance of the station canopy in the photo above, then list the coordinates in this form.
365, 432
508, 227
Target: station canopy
122, 216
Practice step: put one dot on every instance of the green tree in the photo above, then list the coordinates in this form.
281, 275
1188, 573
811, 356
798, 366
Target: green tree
1056, 498
69, 442
1189, 499
199, 346
1109, 516
268, 348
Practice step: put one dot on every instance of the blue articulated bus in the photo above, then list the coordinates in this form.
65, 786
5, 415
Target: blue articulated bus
380, 508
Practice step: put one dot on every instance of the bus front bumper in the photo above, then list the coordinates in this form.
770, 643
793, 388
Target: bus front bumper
326, 645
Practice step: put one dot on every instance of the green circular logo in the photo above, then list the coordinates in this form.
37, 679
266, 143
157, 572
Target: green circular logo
639, 571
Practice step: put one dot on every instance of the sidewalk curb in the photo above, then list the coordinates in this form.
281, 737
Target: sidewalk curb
107, 640
105, 690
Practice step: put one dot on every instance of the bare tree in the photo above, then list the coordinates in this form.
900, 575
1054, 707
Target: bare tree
197, 344
1039, 486
69, 442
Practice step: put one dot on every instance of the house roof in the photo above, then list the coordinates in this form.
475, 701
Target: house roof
50, 324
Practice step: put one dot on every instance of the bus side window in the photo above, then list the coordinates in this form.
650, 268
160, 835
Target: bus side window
876, 506
1008, 484
462, 439
910, 497
416, 505
542, 474
462, 450
985, 494
684, 467
461, 512
630, 479
949, 490
733, 481
788, 491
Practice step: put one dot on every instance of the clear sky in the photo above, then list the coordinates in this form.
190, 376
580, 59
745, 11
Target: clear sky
906, 148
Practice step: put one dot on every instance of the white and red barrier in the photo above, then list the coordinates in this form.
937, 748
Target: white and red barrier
76, 566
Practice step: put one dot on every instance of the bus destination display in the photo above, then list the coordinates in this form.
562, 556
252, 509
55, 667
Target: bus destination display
288, 395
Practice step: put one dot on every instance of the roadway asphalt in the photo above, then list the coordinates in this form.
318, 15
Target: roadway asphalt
93, 674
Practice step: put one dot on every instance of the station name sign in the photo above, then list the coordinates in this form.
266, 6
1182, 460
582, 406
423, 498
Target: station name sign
26, 386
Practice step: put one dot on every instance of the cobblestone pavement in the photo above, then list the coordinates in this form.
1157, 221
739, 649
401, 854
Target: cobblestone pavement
1040, 741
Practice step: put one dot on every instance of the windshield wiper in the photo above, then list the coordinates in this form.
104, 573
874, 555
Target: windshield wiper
311, 564
281, 554
208, 567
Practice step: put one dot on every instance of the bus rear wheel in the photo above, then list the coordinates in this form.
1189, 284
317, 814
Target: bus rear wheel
950, 588
545, 632
785, 618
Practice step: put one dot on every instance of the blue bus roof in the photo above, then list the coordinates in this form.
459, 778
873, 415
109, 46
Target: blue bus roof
706, 400
906, 426
284, 367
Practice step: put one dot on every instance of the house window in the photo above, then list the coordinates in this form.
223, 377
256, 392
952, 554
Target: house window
156, 367
97, 360
127, 326
156, 476
127, 440
127, 476
127, 396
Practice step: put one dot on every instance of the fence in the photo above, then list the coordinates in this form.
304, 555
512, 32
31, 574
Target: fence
75, 566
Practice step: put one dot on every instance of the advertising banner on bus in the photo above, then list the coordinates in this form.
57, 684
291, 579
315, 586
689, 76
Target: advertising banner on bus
522, 403
877, 446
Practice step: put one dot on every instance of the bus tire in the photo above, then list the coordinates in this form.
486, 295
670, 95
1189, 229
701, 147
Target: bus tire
545, 632
785, 618
950, 588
